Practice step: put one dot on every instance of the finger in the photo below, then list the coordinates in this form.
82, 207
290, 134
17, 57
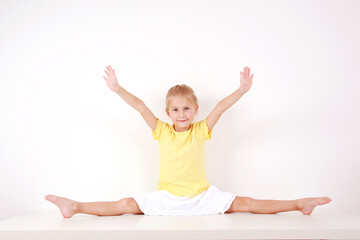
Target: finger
107, 74
112, 70
109, 69
252, 76
105, 78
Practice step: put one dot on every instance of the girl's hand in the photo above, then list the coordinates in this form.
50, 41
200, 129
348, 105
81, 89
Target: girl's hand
246, 79
111, 81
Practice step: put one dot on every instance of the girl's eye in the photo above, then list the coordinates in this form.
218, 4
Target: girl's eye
187, 108
174, 110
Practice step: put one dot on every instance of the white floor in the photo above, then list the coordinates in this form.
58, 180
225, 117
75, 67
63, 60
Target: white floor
50, 225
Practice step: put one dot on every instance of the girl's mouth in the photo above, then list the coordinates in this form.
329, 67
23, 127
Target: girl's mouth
182, 120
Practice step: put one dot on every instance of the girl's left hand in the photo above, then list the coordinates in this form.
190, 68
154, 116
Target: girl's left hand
246, 79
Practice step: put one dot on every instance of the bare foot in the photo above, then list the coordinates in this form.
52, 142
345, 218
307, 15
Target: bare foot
67, 207
307, 205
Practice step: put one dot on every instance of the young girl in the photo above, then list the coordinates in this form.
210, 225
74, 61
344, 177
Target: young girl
183, 188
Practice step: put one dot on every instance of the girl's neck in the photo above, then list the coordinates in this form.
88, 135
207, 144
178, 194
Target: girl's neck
181, 130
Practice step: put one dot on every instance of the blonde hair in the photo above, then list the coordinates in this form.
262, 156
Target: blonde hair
181, 90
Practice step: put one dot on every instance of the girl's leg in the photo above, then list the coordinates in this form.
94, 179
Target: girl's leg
304, 205
70, 207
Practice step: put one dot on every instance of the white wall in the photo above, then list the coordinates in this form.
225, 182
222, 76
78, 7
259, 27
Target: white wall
62, 131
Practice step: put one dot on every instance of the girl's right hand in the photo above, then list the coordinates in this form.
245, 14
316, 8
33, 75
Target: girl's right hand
111, 80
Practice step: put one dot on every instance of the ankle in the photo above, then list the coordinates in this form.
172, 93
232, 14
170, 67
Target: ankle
298, 205
76, 207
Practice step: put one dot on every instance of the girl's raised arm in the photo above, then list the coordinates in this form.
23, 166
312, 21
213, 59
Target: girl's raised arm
130, 99
223, 105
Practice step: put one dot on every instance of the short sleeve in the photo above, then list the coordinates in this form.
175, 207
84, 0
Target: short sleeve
204, 129
160, 126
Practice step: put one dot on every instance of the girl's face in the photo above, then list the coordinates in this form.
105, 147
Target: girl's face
182, 112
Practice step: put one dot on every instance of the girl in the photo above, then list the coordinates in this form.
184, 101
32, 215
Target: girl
183, 188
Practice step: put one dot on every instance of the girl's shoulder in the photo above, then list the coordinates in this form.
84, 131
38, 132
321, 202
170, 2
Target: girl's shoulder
161, 129
202, 129
200, 123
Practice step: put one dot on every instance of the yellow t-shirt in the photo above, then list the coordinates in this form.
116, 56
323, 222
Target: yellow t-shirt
182, 158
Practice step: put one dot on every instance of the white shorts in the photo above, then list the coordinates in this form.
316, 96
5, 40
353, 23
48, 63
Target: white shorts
210, 201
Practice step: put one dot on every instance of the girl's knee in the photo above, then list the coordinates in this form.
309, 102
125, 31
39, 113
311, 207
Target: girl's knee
247, 203
241, 204
129, 205
125, 203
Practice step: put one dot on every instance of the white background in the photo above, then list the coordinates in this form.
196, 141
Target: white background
294, 134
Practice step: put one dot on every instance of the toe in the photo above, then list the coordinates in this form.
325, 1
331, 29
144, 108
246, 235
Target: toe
51, 198
325, 200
